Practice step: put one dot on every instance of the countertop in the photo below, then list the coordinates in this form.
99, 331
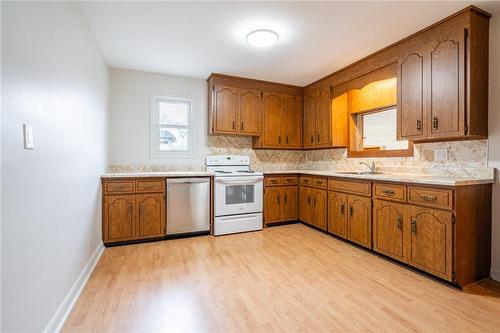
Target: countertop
395, 177
158, 174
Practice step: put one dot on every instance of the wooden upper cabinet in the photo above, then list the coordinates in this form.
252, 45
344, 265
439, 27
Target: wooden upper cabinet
151, 215
337, 213
359, 220
225, 109
291, 127
430, 241
119, 218
272, 114
388, 225
323, 120
447, 90
309, 129
411, 96
250, 112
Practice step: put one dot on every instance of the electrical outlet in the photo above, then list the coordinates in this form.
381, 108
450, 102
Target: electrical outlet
441, 154
28, 137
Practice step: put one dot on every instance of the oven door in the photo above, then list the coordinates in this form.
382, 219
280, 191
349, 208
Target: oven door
238, 195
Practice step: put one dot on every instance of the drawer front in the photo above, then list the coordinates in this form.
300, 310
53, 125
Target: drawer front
320, 182
439, 198
363, 188
390, 192
290, 180
119, 186
306, 181
272, 180
156, 185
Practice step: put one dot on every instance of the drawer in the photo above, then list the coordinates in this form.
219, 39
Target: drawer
390, 192
306, 181
290, 180
150, 185
119, 186
439, 198
363, 188
272, 180
314, 181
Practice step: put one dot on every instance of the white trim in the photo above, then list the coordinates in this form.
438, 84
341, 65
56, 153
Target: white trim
495, 274
57, 321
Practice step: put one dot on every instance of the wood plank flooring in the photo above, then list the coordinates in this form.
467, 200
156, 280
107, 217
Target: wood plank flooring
284, 279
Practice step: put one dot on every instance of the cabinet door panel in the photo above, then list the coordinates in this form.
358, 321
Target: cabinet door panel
289, 203
118, 218
411, 96
309, 129
292, 122
323, 121
226, 109
388, 219
305, 204
250, 111
359, 220
337, 213
430, 241
272, 204
272, 110
446, 90
151, 215
319, 208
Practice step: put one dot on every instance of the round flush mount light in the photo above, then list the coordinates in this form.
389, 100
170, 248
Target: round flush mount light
262, 38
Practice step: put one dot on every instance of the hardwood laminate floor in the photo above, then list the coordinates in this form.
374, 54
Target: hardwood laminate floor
284, 279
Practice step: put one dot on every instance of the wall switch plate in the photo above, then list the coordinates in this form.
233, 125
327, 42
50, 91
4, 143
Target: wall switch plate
441, 154
28, 137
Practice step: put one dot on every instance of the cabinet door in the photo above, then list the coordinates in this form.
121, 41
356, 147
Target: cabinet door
250, 112
337, 213
118, 218
292, 122
305, 204
272, 110
272, 204
319, 208
447, 88
388, 219
359, 221
309, 115
289, 203
430, 241
411, 96
151, 216
226, 109
323, 121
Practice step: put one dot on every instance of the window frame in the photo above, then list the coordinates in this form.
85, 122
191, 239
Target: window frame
154, 138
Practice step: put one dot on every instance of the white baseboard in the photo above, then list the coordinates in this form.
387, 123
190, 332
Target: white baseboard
57, 321
495, 273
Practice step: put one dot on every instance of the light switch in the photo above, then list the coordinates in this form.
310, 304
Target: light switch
441, 154
28, 137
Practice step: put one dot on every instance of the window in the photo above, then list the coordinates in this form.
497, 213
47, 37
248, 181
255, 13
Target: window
379, 130
172, 133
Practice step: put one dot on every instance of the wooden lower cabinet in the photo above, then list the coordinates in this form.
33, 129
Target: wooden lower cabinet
290, 203
359, 227
151, 215
389, 221
337, 213
272, 205
313, 206
305, 212
280, 199
118, 224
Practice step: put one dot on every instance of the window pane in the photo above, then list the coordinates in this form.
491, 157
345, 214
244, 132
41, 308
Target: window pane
239, 194
379, 131
173, 113
173, 139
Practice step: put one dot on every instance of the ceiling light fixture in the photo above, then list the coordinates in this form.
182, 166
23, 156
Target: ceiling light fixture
262, 38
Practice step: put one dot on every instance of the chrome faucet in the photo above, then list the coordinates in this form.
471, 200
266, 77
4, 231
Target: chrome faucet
370, 166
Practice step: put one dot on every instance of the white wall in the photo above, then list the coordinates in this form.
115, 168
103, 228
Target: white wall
130, 93
53, 77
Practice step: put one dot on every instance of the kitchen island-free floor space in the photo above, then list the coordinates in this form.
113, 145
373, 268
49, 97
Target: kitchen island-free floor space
282, 279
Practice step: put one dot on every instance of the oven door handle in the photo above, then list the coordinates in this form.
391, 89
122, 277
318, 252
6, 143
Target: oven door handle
240, 180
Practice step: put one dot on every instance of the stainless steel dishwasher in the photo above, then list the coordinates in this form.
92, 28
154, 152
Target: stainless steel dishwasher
188, 205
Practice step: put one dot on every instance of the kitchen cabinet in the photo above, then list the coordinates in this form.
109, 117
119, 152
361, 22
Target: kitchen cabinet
280, 199
249, 112
337, 213
133, 209
359, 227
389, 221
313, 201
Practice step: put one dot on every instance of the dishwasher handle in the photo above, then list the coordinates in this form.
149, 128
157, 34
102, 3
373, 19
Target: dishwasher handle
187, 180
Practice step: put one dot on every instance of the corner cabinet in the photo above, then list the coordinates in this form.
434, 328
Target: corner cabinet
133, 209
443, 81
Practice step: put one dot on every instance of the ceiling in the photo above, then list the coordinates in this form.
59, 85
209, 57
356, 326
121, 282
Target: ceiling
194, 39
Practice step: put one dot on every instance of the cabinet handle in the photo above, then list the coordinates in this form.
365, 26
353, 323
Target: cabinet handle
129, 209
285, 199
351, 210
428, 197
400, 222
342, 209
242, 126
388, 192
274, 181
279, 139
233, 124
318, 137
435, 122
286, 139
419, 125
308, 200
312, 138
278, 199
413, 226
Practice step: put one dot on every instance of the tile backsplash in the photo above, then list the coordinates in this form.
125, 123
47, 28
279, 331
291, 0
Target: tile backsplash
465, 158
